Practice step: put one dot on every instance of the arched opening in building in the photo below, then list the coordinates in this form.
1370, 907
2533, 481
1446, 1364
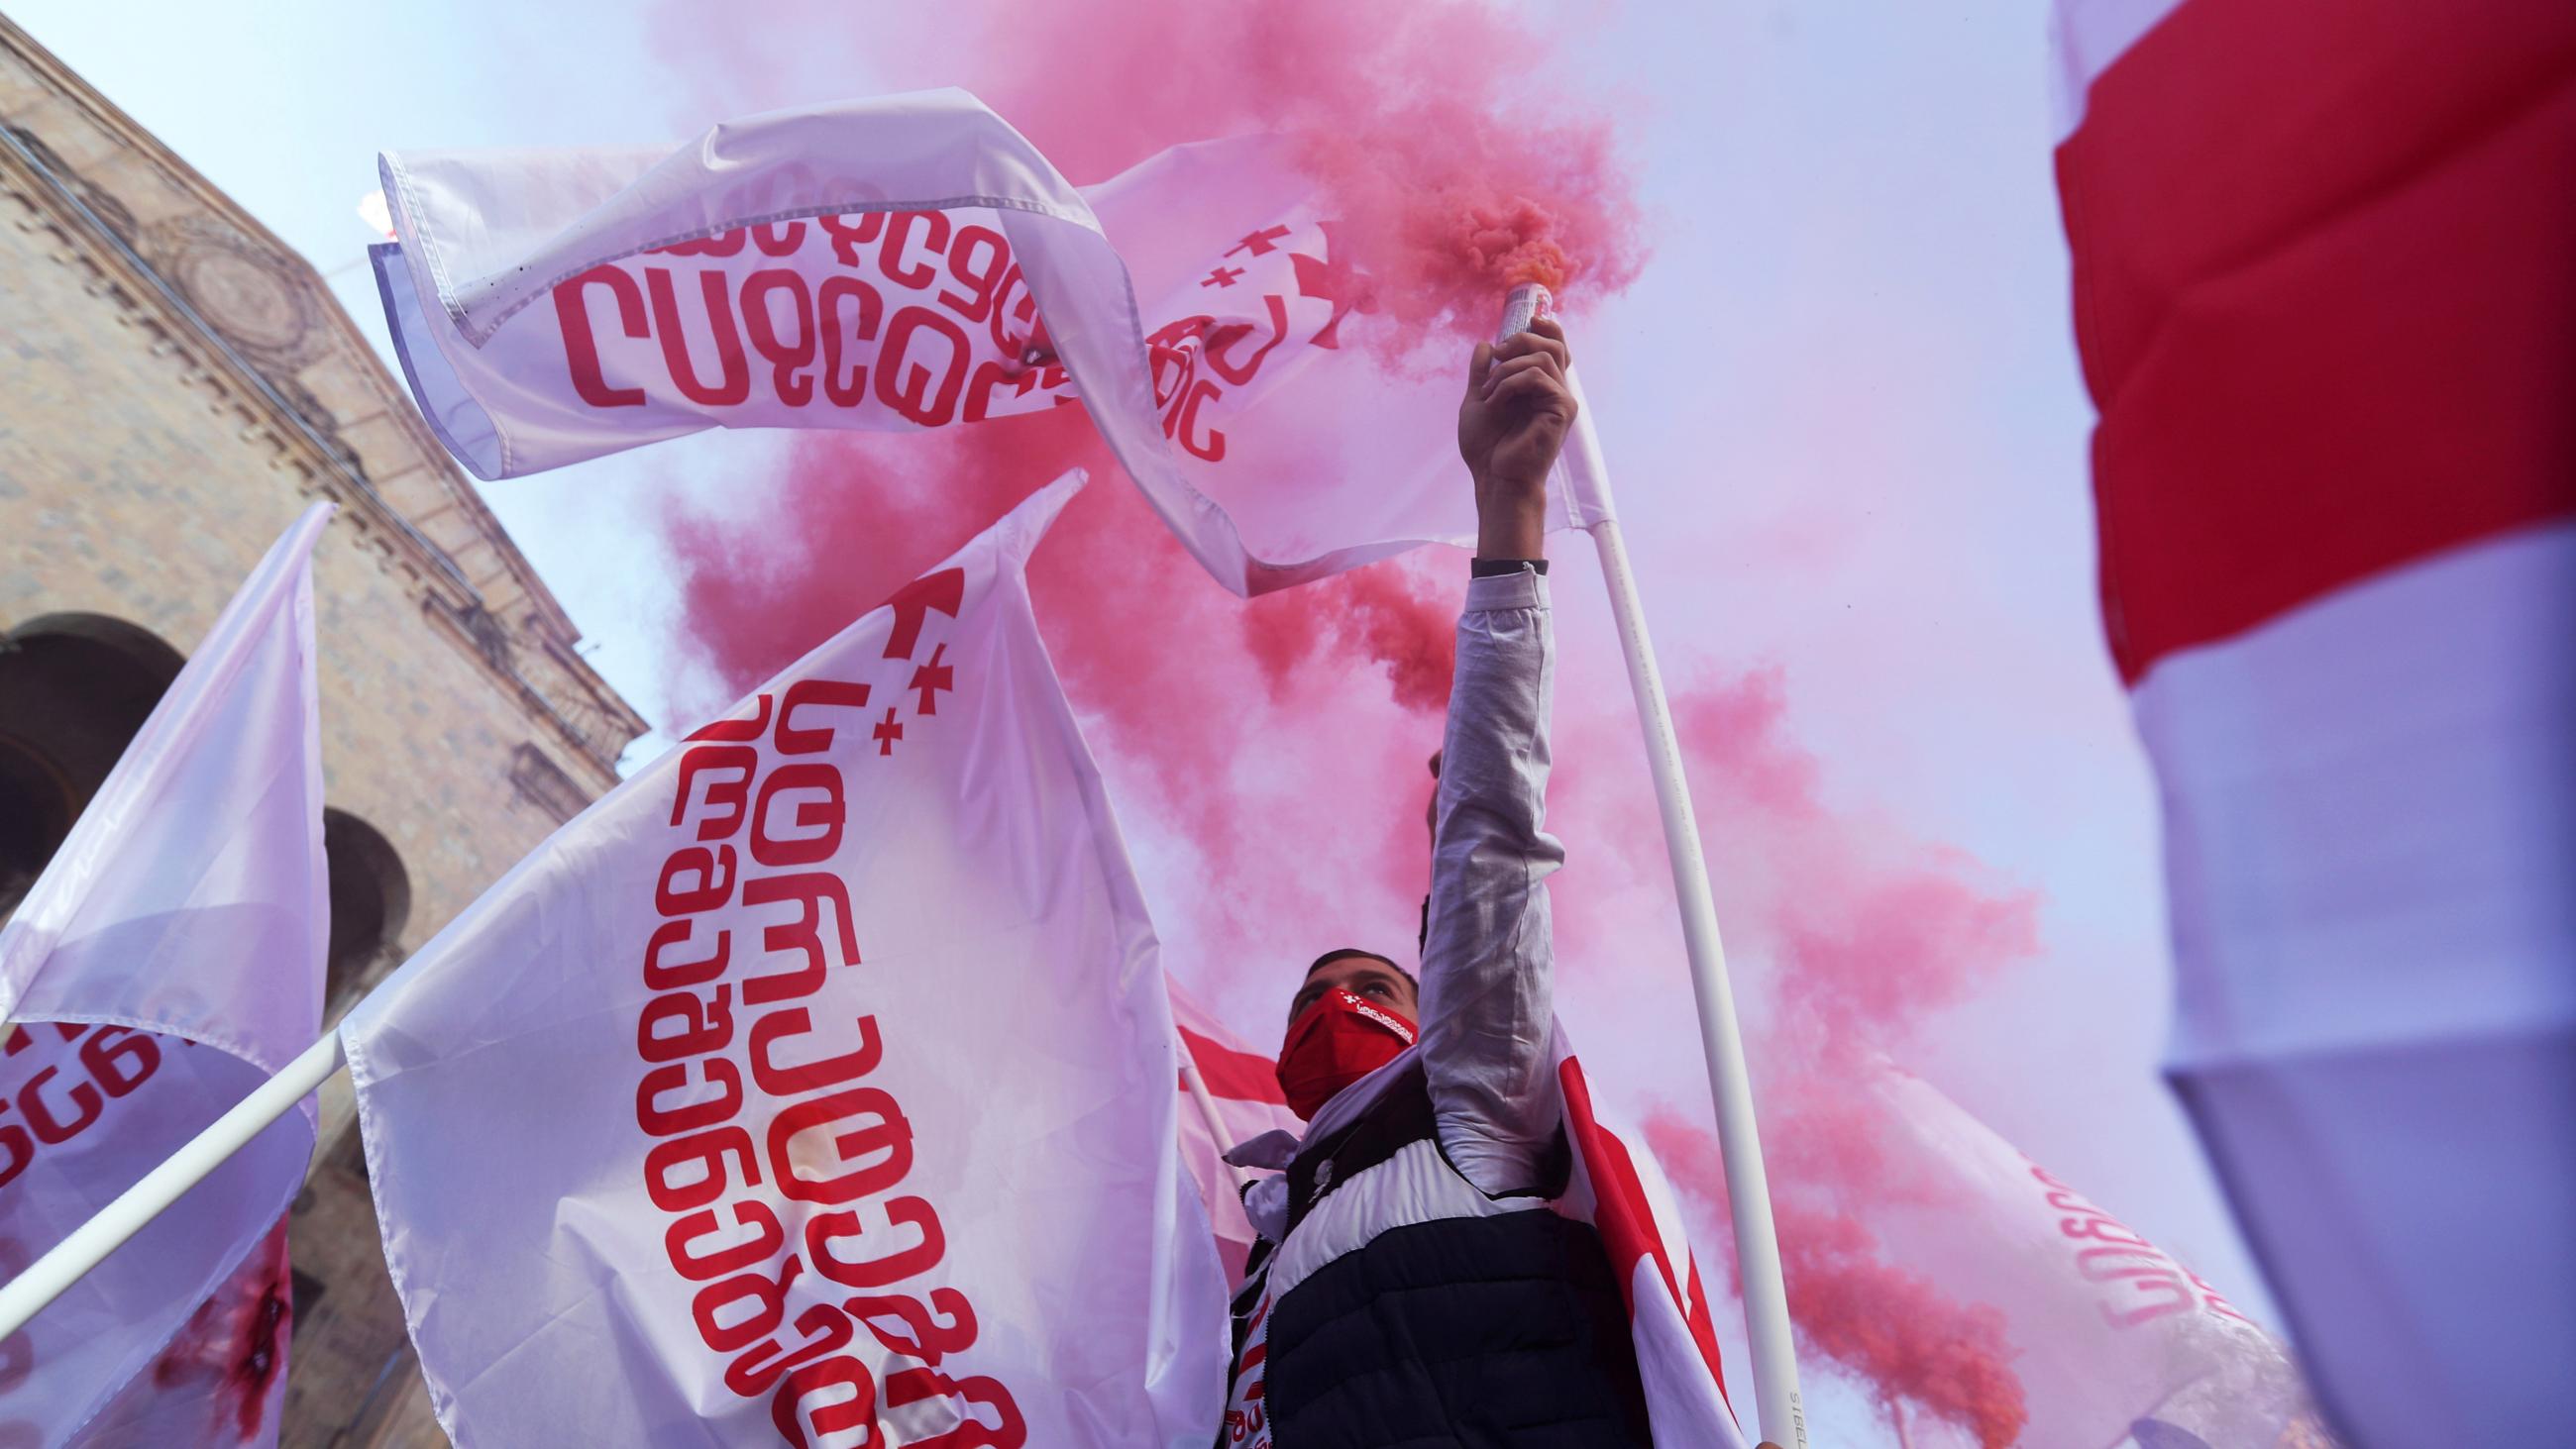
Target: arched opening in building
370, 904
73, 690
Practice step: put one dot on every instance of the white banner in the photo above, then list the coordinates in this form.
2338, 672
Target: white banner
815, 1087
168, 961
912, 262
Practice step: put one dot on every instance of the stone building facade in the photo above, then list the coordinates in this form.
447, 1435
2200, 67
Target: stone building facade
175, 386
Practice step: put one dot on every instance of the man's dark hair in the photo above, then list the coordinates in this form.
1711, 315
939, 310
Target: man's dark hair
1347, 952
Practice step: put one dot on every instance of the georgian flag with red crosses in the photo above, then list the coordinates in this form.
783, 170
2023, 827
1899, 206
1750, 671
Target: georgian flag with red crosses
912, 262
814, 1088
2325, 298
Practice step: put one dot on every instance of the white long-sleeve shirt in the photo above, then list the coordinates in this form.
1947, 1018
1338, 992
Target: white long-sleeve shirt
1487, 967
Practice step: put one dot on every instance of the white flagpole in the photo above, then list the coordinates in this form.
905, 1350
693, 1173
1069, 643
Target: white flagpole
1748, 1190
1197, 1085
88, 1245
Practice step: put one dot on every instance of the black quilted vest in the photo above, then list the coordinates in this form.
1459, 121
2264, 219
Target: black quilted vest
1506, 1332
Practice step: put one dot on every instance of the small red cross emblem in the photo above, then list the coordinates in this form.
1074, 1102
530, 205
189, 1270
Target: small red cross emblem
887, 732
933, 677
1222, 277
1259, 243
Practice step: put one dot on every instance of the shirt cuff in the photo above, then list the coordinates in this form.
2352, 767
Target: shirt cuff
1521, 589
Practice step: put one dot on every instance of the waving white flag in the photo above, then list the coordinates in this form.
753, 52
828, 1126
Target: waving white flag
169, 960
815, 1087
913, 262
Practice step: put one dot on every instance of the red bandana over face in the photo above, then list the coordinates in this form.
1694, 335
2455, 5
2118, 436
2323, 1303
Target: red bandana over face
1339, 1040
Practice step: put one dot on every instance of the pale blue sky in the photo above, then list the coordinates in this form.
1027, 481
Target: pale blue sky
1843, 402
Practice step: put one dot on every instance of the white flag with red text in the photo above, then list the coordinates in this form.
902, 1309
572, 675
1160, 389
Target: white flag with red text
2106, 1338
167, 961
913, 262
813, 1088
2326, 310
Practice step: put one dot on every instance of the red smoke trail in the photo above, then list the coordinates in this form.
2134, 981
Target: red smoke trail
1278, 744
1869, 934
1281, 741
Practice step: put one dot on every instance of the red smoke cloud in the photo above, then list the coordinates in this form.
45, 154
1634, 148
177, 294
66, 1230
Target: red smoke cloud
1868, 933
1272, 750
1281, 740
1450, 176
1441, 133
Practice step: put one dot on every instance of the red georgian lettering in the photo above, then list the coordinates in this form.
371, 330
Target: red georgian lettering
722, 244
811, 791
901, 1254
658, 1120
944, 1326
768, 1299
924, 395
790, 1416
1219, 348
680, 1244
733, 370
736, 731
708, 1150
826, 1329
868, 1133
17, 1149
726, 800
777, 238
814, 892
788, 356
866, 312
581, 346
1007, 1431
1172, 352
1014, 314
795, 739
1184, 421
890, 258
660, 975
704, 1026
120, 1058
712, 870
794, 1079
51, 1130
849, 233
977, 258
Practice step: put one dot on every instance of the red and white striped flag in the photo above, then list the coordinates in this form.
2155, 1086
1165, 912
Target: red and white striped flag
913, 262
2325, 293
815, 1086
1244, 1086
168, 961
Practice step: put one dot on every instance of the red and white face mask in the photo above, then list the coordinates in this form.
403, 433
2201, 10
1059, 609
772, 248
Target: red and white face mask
1340, 1039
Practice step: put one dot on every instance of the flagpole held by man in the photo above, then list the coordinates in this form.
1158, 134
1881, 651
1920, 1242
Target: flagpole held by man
1409, 1285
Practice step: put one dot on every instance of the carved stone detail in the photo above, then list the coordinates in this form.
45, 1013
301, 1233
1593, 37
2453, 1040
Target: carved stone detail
249, 293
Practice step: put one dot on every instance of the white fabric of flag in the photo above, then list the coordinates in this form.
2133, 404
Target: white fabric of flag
167, 961
1620, 1189
815, 1086
913, 262
2112, 1339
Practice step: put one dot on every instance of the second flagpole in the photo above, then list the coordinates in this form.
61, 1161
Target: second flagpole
1757, 1245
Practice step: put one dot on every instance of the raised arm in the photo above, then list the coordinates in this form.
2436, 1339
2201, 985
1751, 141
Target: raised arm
1487, 967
